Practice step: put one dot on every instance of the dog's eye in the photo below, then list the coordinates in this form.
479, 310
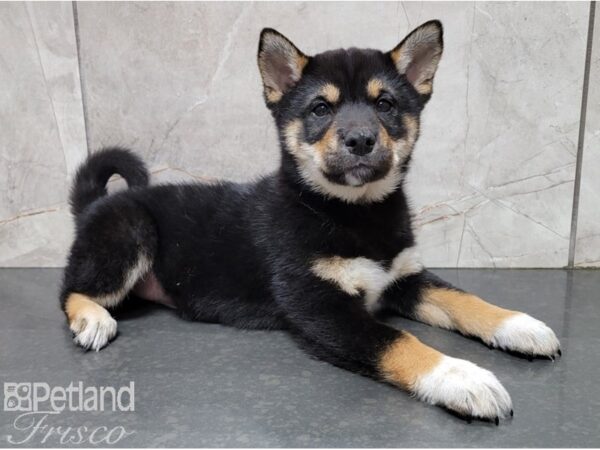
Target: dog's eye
322, 109
383, 105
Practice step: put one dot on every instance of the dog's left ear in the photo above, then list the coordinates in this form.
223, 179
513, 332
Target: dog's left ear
418, 55
280, 64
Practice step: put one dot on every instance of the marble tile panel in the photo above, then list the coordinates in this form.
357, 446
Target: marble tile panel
42, 131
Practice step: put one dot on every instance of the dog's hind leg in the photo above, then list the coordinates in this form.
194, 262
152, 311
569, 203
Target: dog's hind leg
114, 248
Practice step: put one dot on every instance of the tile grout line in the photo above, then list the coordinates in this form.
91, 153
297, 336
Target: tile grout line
81, 76
581, 137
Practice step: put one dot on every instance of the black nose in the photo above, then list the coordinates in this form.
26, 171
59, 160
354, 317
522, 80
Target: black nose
360, 142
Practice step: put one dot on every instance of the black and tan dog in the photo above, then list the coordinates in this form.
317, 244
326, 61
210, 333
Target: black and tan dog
319, 248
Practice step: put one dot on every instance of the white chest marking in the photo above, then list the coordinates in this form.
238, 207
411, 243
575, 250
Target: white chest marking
354, 275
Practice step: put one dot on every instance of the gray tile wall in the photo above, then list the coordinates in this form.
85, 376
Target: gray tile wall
492, 181
42, 134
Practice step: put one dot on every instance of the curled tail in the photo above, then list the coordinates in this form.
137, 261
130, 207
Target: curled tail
92, 176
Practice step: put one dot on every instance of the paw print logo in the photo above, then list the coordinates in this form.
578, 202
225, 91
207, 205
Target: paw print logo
17, 396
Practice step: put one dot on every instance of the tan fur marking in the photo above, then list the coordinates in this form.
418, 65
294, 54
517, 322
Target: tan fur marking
464, 312
402, 148
433, 315
374, 87
336, 269
301, 62
78, 305
412, 128
386, 139
397, 56
406, 360
328, 141
330, 92
425, 88
292, 133
273, 96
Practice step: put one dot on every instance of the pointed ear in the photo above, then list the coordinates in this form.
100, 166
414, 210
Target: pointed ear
280, 64
418, 55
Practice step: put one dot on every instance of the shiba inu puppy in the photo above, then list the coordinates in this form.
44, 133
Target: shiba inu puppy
320, 248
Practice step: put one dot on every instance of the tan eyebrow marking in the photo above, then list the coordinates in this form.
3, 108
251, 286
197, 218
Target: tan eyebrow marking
330, 92
374, 87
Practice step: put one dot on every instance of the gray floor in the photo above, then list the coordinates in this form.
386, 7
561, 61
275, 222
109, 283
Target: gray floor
207, 385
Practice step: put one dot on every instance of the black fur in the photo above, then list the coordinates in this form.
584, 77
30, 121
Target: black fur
91, 178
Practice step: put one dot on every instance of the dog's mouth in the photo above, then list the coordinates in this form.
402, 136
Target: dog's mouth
357, 171
360, 174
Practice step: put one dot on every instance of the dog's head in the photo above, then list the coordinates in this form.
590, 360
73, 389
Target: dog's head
348, 119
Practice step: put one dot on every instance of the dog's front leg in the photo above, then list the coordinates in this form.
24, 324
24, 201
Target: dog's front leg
438, 303
335, 326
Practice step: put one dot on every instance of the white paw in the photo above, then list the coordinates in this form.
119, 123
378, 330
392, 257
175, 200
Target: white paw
465, 388
93, 329
524, 334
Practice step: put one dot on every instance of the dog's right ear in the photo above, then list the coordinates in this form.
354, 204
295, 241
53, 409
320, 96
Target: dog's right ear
280, 64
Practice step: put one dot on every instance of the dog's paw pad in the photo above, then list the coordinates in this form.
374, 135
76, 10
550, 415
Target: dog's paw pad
94, 329
523, 334
464, 388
